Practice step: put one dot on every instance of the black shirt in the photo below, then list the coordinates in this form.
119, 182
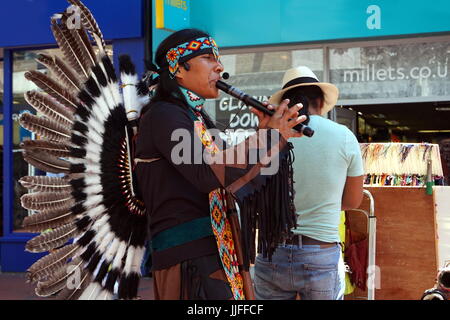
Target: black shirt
175, 193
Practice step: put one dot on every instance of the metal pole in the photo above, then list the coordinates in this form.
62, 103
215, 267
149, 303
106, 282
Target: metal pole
148, 29
372, 229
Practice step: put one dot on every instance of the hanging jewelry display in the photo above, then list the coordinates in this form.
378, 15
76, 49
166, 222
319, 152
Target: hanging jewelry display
400, 164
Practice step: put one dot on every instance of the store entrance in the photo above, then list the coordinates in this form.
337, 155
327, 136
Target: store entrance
403, 122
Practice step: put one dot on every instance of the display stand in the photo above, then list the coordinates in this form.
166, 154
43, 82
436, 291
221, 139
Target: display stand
401, 164
407, 242
406, 250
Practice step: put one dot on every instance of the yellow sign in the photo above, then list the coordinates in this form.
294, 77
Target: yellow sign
180, 4
172, 14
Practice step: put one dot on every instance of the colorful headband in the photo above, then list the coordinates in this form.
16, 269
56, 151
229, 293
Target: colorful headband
194, 47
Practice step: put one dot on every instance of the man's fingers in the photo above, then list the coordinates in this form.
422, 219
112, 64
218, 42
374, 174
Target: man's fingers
268, 105
292, 112
281, 108
296, 121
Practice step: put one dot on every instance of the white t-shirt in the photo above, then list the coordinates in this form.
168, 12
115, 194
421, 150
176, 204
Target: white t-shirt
322, 164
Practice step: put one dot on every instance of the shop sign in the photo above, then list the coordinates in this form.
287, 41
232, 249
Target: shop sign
172, 15
417, 70
235, 114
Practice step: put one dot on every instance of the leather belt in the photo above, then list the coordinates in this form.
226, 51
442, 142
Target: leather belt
304, 240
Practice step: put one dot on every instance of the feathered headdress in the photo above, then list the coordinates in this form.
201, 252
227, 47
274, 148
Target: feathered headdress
86, 124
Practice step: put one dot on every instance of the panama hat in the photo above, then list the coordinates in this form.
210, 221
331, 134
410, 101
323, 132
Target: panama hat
303, 76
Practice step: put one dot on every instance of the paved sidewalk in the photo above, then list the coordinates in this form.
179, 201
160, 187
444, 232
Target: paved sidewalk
14, 287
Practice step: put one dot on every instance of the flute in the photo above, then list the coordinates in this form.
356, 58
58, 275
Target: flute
250, 101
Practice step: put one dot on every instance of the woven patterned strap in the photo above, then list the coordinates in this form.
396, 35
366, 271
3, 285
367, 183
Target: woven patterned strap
220, 223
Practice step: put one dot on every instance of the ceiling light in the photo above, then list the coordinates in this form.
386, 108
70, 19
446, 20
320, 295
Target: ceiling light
442, 109
432, 131
392, 122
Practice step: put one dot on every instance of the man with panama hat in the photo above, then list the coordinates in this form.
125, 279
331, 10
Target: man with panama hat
328, 177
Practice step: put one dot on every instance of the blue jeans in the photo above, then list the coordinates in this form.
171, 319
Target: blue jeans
312, 272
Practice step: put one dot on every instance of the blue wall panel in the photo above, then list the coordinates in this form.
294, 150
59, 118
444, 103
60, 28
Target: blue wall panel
27, 22
259, 22
14, 258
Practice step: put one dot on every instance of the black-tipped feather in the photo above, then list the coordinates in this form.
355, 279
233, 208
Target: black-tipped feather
45, 220
47, 201
53, 88
45, 127
48, 264
89, 22
62, 72
46, 162
46, 184
70, 47
52, 239
50, 107
56, 149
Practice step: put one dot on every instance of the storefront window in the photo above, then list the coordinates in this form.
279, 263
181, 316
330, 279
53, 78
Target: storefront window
259, 74
25, 61
394, 72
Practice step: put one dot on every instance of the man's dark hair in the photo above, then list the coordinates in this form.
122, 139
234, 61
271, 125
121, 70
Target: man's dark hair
168, 88
306, 95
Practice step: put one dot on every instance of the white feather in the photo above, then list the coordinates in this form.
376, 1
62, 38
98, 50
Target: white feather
91, 160
105, 242
94, 137
129, 260
88, 160
137, 260
117, 263
112, 250
102, 230
100, 223
105, 295
91, 180
93, 168
130, 95
107, 94
113, 87
95, 212
95, 124
93, 190
116, 92
100, 110
93, 201
91, 292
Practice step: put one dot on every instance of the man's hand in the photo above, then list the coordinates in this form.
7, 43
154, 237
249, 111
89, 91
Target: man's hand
284, 119
262, 117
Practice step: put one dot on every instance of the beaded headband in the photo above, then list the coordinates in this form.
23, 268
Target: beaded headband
190, 48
